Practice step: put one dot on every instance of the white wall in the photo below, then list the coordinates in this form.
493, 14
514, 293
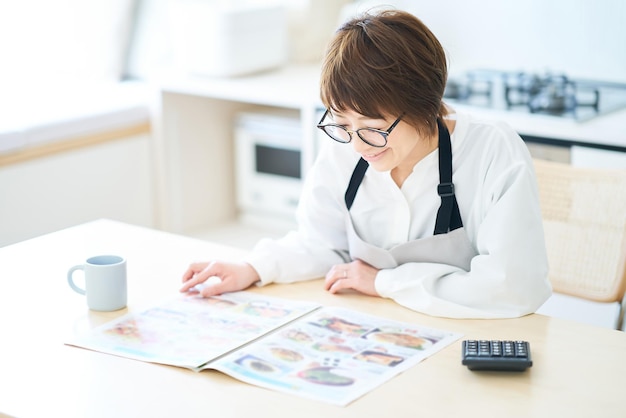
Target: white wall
53, 41
108, 180
583, 38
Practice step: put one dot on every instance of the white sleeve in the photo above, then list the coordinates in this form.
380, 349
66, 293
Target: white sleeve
508, 277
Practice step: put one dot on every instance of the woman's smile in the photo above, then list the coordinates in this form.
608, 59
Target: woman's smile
374, 156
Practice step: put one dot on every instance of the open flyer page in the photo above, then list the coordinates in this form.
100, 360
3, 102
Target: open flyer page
190, 330
333, 355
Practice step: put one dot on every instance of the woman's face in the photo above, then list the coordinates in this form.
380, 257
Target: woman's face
404, 145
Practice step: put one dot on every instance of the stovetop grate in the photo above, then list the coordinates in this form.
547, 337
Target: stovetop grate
547, 94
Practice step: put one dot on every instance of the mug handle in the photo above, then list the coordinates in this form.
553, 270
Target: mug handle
70, 279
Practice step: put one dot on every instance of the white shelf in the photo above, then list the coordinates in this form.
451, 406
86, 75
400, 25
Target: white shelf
292, 87
196, 139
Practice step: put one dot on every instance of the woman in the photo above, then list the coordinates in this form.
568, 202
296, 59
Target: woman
411, 201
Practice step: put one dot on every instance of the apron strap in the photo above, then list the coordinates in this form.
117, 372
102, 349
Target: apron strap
448, 215
355, 182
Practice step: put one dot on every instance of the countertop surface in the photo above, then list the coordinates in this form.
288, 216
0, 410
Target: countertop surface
608, 129
297, 87
54, 113
42, 376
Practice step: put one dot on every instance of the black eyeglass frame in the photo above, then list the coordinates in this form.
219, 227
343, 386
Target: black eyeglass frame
383, 133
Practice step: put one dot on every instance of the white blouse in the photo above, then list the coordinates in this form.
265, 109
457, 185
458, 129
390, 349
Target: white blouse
497, 195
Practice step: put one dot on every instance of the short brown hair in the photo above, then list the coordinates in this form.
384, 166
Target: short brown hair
387, 63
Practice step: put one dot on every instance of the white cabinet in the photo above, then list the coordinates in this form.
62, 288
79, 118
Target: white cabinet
590, 157
108, 179
195, 139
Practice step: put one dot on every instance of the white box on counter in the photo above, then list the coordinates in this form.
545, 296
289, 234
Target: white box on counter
224, 39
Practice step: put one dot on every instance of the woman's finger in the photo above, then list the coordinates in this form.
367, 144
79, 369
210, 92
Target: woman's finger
195, 275
339, 279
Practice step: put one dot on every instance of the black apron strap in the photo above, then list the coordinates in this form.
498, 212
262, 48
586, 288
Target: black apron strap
355, 182
448, 215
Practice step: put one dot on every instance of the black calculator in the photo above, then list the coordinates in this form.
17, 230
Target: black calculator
496, 355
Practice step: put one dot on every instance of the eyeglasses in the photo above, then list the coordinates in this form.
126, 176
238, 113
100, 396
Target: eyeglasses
374, 137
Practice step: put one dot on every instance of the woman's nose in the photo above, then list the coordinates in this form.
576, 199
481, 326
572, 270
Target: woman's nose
357, 144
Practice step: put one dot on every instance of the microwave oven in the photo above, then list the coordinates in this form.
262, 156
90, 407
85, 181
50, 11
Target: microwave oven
268, 152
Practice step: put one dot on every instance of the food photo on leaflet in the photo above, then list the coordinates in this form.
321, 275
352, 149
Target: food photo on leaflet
408, 199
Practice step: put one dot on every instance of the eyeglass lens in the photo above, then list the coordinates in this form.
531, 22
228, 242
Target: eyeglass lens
370, 136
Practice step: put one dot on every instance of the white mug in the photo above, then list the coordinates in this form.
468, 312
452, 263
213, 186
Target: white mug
105, 282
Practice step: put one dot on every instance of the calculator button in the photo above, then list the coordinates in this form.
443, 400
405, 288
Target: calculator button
484, 348
471, 348
496, 349
509, 349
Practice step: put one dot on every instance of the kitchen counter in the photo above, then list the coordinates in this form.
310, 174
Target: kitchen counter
604, 132
289, 87
196, 149
50, 114
297, 86
195, 138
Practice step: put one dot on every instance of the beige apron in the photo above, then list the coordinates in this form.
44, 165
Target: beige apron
449, 244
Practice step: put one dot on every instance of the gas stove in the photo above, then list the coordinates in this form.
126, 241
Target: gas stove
550, 94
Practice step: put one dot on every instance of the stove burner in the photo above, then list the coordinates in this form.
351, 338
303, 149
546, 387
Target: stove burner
552, 94
456, 90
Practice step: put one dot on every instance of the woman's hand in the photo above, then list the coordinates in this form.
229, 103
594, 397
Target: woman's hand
225, 277
356, 275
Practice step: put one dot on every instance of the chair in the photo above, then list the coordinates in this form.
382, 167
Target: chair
584, 216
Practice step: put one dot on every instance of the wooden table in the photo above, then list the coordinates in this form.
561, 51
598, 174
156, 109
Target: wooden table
578, 371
